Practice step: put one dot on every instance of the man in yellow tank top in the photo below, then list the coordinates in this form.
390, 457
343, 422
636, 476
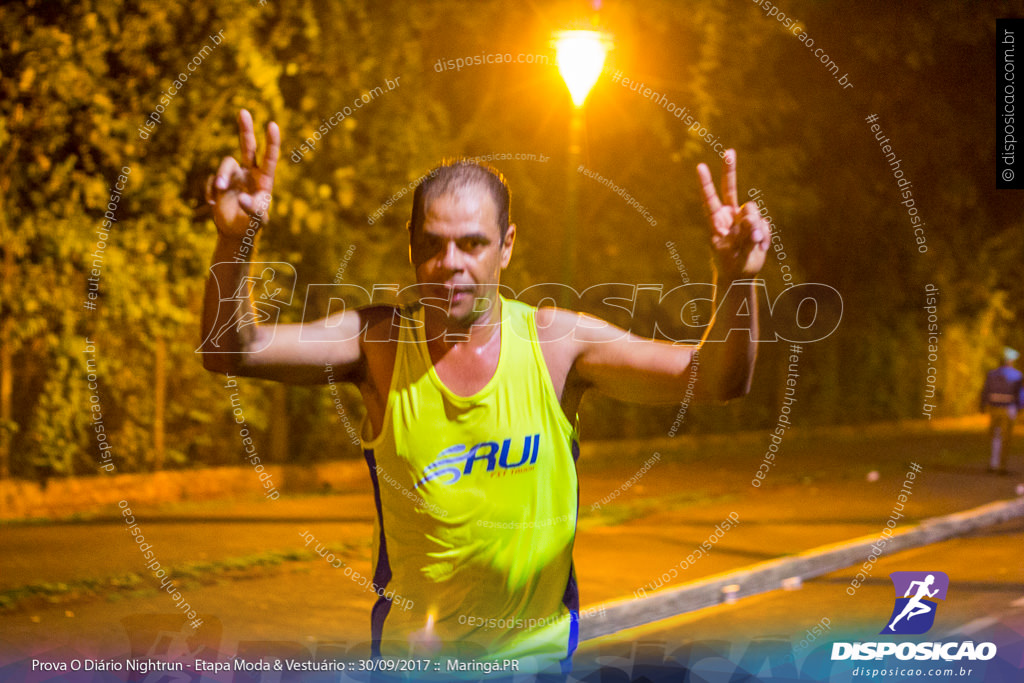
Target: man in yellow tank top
471, 403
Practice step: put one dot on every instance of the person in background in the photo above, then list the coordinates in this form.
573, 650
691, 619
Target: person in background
1002, 397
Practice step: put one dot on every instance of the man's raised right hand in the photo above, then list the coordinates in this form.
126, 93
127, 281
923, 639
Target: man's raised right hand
240, 192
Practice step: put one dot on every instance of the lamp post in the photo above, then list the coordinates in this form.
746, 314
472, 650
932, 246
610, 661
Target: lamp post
580, 56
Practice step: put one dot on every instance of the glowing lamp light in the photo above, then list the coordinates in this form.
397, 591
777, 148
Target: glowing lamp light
580, 56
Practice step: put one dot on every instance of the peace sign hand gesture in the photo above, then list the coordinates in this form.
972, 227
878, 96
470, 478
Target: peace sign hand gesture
740, 237
240, 192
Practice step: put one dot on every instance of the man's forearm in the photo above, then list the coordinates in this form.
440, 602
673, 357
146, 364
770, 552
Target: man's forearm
222, 311
726, 368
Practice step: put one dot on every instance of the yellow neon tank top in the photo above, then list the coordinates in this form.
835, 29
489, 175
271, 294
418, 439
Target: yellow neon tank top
476, 501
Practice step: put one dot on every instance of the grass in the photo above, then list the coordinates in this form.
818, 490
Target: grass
132, 585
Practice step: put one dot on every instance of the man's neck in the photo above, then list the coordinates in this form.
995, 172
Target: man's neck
448, 333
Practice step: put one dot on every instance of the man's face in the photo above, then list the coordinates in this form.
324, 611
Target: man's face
458, 253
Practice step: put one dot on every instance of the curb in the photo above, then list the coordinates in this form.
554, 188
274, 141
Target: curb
771, 575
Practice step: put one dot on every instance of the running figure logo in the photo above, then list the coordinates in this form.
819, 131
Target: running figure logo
914, 613
256, 300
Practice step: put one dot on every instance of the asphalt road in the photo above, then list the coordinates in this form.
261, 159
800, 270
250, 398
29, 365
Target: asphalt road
985, 602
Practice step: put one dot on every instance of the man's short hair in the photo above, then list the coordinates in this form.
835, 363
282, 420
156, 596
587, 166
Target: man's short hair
453, 176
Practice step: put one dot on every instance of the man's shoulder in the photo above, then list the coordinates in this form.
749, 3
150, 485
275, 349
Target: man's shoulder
377, 314
382, 322
517, 306
520, 312
553, 324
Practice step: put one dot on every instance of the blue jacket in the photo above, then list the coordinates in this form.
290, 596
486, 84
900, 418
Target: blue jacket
1004, 386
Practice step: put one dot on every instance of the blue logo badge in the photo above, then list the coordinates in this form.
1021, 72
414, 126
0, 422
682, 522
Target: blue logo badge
914, 612
455, 461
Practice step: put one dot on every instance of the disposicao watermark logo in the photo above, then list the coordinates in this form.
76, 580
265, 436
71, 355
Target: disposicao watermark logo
914, 612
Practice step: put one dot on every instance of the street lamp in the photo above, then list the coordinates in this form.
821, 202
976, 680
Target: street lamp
580, 56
